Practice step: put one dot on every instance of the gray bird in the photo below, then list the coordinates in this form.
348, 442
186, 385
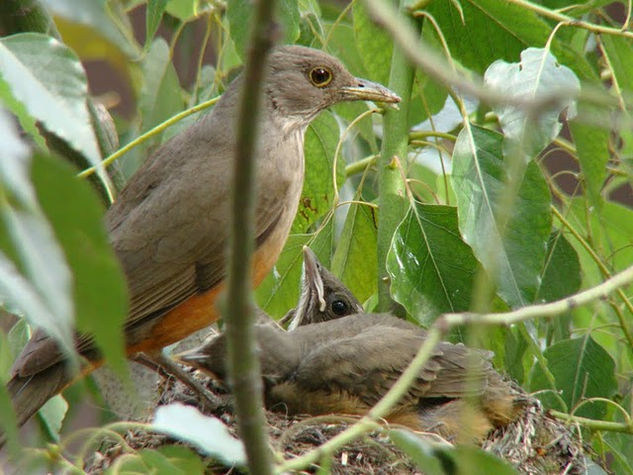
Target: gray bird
169, 224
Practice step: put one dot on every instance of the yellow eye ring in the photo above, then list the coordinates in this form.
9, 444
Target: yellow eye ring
320, 76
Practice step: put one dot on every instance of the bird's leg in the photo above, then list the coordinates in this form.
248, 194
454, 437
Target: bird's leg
164, 364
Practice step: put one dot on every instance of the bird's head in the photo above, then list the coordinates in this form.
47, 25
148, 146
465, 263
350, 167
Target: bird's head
302, 81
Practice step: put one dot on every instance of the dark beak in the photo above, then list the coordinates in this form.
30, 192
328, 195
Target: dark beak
368, 91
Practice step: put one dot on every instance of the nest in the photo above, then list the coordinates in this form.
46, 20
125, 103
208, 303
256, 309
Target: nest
535, 444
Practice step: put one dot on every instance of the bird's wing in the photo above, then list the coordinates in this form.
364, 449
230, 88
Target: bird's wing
169, 236
367, 365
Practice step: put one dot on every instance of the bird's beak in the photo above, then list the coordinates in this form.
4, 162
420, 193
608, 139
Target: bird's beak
312, 276
365, 90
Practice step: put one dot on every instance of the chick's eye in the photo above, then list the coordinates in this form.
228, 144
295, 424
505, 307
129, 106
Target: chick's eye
339, 307
320, 76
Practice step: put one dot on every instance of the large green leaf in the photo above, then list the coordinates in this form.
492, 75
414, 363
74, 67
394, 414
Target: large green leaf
90, 27
431, 268
512, 255
561, 272
582, 369
373, 44
49, 80
318, 188
491, 28
494, 32
537, 76
355, 257
98, 286
35, 279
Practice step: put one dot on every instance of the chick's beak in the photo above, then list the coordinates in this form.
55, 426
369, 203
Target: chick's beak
369, 91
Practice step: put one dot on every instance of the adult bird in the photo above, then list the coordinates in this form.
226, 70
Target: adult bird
169, 225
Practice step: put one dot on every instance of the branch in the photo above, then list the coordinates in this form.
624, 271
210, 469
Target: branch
594, 424
147, 135
243, 362
545, 310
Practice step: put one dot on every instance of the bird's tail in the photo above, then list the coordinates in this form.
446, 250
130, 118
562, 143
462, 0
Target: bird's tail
29, 393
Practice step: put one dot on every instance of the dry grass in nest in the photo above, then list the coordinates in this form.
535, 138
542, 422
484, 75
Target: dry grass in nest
535, 444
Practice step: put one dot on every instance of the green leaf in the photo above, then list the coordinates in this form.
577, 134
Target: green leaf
561, 272
50, 81
355, 257
90, 27
98, 288
537, 76
183, 458
592, 147
491, 28
185, 10
469, 460
279, 292
208, 434
582, 369
318, 189
35, 278
161, 94
239, 16
27, 122
52, 414
419, 450
374, 45
513, 256
153, 15
431, 268
617, 50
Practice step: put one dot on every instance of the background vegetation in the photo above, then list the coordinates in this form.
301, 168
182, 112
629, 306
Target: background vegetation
503, 181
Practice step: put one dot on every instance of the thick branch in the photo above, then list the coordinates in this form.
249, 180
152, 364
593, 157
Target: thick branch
244, 367
390, 175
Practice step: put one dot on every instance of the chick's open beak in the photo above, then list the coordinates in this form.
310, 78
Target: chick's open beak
369, 91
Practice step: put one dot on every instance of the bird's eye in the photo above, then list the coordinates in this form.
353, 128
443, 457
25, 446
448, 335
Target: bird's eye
320, 76
339, 307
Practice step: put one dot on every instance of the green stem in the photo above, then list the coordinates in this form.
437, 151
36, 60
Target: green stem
243, 362
392, 158
594, 424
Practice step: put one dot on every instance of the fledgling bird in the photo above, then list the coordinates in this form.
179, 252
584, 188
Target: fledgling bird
323, 297
169, 225
347, 364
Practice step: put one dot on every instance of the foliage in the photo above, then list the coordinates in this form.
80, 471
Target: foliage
518, 200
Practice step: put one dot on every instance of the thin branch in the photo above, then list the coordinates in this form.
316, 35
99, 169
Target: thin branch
147, 135
554, 15
243, 361
594, 424
548, 310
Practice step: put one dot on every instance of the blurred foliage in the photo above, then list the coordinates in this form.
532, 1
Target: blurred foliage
505, 208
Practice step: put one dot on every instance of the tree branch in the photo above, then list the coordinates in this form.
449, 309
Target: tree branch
395, 146
243, 362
